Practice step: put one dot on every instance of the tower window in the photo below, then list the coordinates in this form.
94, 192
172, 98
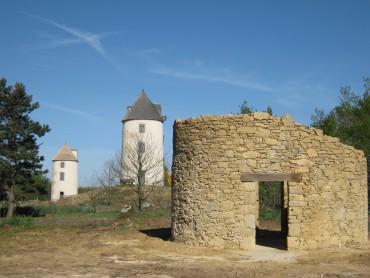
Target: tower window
141, 146
142, 128
62, 164
62, 176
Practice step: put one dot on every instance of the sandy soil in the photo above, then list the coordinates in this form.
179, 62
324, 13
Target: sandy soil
118, 252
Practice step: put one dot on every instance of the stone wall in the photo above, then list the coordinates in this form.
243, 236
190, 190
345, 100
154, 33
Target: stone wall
211, 206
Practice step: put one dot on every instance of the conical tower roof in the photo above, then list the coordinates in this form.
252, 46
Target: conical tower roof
144, 109
65, 154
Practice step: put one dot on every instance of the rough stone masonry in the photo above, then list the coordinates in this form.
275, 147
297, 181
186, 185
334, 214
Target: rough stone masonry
212, 206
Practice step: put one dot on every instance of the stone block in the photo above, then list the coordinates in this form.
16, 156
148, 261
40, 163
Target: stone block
296, 197
251, 154
223, 164
213, 206
293, 243
246, 130
287, 120
226, 214
294, 230
328, 195
244, 169
262, 132
227, 205
311, 152
274, 167
250, 198
261, 115
250, 222
301, 169
271, 141
229, 154
295, 211
295, 189
271, 154
248, 244
301, 162
343, 195
251, 162
249, 186
297, 203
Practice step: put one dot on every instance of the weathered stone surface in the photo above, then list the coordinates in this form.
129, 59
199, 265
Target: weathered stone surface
211, 206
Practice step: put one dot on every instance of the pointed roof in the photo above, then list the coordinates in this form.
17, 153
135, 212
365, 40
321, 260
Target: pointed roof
65, 154
144, 109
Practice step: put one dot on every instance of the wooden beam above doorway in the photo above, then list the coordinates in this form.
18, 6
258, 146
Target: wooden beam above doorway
271, 177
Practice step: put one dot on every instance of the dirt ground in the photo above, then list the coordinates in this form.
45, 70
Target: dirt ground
122, 251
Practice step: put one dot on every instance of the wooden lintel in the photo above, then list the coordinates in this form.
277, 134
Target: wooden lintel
271, 177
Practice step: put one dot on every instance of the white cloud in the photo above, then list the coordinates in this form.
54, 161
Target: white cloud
72, 111
226, 78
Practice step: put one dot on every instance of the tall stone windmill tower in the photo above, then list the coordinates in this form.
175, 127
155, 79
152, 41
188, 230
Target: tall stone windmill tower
142, 143
65, 173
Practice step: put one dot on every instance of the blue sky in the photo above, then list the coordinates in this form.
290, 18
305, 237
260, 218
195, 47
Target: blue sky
86, 61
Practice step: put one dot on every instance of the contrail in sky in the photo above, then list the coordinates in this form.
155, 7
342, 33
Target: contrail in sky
93, 40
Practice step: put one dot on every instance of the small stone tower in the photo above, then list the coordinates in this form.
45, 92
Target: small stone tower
65, 173
142, 143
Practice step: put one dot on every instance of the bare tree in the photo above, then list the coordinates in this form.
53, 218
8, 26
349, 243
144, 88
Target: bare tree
105, 180
142, 166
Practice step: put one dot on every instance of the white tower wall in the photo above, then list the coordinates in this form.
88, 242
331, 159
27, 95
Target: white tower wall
65, 174
68, 186
153, 139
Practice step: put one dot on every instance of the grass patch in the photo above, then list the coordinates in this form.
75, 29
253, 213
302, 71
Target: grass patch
85, 189
63, 210
148, 213
20, 222
269, 215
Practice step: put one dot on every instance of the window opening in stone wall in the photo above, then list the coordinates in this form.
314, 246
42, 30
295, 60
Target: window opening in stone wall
62, 176
271, 224
62, 164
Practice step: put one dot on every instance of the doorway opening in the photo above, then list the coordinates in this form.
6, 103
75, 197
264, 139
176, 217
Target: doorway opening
271, 214
267, 237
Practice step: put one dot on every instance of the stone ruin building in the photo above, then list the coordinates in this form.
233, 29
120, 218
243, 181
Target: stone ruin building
218, 162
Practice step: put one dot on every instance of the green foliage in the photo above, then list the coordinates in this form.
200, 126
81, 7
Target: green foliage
19, 159
349, 121
269, 215
245, 109
38, 189
269, 110
269, 195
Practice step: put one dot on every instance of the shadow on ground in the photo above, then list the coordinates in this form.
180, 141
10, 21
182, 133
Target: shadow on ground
162, 233
273, 239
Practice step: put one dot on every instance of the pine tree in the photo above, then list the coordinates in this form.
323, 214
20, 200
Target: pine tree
19, 158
